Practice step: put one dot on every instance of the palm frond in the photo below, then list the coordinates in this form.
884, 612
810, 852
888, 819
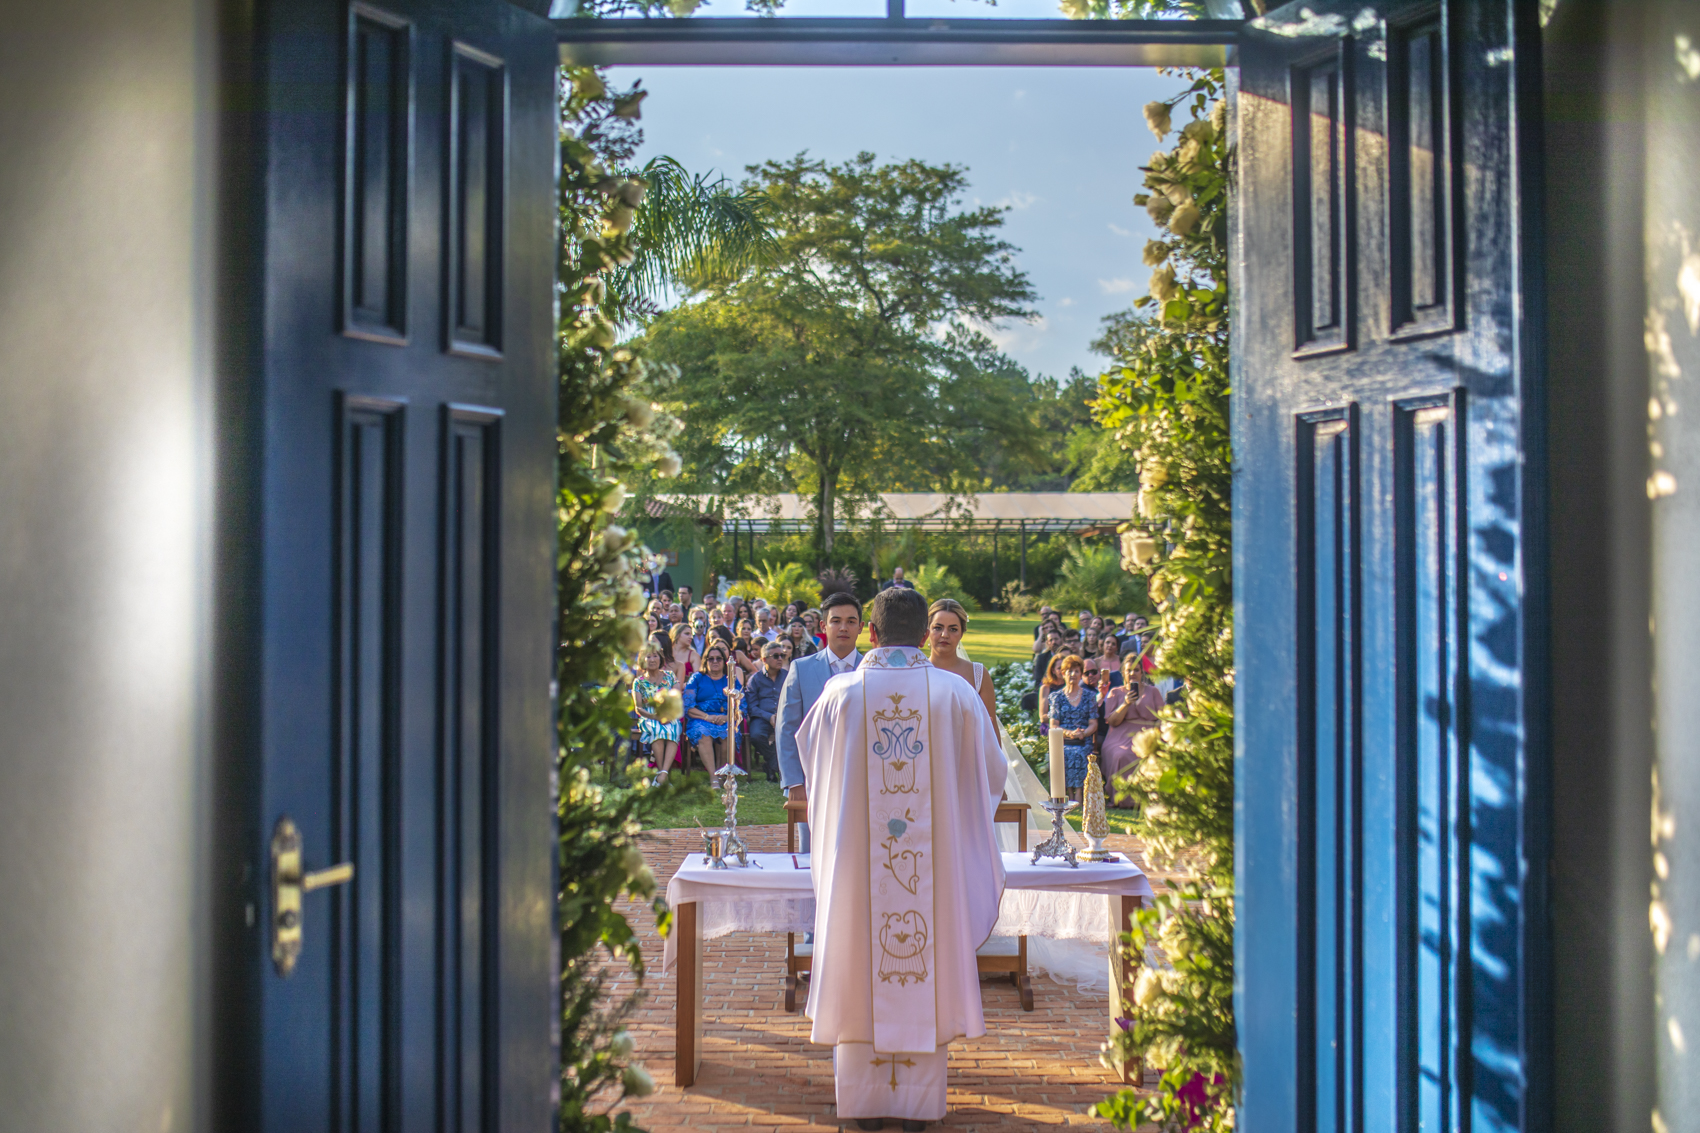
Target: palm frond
692, 229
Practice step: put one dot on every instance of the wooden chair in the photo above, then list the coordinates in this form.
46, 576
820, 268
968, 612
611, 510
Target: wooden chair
994, 956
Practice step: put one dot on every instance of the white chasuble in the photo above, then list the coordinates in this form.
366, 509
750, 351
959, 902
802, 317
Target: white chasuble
904, 771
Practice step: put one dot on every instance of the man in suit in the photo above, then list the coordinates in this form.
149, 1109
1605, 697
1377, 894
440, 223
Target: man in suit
841, 617
898, 581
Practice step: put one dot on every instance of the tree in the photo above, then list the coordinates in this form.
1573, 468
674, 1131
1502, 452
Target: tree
848, 360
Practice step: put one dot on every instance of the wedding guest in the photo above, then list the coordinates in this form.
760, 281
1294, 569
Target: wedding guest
1074, 709
706, 709
802, 645
675, 616
664, 640
687, 658
746, 648
1052, 682
1128, 711
1108, 662
898, 582
683, 598
811, 619
761, 702
791, 611
764, 625
1046, 613
660, 739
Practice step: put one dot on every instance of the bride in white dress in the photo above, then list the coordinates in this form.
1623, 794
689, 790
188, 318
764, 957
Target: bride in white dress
1073, 951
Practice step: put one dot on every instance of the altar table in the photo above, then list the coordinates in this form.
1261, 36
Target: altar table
775, 893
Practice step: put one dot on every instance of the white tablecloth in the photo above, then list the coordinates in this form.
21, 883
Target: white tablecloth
775, 893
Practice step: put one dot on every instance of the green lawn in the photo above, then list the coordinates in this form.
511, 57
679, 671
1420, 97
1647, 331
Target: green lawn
760, 803
995, 638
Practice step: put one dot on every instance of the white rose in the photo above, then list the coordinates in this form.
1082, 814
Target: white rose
629, 600
637, 1082
622, 1045
1147, 503
1146, 987
639, 412
1155, 253
633, 633
1184, 219
669, 705
1157, 117
1163, 282
1145, 743
1155, 474
614, 498
1145, 550
669, 465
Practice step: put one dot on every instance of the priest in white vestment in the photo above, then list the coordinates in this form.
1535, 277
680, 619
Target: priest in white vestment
904, 772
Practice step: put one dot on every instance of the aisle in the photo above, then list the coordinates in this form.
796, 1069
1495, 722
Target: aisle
759, 1069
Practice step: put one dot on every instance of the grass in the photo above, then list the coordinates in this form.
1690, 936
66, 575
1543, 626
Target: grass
994, 638
760, 803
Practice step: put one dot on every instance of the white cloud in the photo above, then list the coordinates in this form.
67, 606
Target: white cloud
1116, 286
1065, 302
1018, 200
1119, 230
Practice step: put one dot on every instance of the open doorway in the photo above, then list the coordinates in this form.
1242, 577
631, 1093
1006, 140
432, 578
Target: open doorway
1032, 170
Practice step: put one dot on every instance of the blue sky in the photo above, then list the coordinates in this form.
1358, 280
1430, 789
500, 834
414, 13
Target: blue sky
1060, 147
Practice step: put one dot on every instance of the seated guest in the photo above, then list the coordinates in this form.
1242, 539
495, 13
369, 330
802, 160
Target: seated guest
687, 658
1074, 709
761, 701
1053, 680
746, 648
1108, 662
706, 709
1128, 711
802, 645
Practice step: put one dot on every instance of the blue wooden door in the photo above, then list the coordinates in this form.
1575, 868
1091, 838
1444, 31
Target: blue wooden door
391, 644
1389, 569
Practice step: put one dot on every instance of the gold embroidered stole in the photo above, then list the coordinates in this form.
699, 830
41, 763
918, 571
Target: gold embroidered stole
900, 843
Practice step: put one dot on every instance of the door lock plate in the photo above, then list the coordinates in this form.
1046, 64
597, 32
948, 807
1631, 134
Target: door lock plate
289, 883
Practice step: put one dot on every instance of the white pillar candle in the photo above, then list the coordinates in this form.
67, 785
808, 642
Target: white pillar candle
1059, 779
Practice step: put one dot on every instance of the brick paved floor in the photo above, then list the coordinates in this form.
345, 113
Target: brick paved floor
1031, 1069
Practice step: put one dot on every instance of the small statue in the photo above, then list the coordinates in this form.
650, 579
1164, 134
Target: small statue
1095, 824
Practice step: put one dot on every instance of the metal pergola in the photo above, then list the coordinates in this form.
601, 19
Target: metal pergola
1015, 513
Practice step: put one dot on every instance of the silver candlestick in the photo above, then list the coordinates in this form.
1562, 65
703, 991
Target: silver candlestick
1057, 845
728, 777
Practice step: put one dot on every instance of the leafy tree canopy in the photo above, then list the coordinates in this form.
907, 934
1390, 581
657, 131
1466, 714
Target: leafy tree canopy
849, 360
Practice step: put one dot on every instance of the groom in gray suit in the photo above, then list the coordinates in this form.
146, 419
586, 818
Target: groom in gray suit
842, 618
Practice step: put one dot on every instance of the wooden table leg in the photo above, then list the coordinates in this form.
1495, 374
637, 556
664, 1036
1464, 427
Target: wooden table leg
1122, 974
687, 1039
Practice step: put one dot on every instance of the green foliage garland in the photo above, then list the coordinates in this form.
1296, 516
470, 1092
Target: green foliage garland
610, 435
1167, 400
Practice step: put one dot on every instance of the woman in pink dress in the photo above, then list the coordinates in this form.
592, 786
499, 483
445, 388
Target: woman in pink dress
1128, 710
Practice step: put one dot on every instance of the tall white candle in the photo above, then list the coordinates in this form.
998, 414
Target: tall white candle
1059, 780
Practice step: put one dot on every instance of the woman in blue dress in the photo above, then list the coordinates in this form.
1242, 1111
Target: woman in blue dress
660, 739
1074, 709
706, 710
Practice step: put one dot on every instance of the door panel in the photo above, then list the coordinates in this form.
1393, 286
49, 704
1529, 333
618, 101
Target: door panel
1391, 915
406, 156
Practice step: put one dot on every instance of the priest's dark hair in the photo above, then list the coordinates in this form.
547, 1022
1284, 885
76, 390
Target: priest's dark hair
899, 617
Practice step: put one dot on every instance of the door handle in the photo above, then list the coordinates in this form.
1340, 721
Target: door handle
288, 885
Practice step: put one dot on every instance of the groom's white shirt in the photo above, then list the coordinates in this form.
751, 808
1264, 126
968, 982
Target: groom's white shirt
965, 772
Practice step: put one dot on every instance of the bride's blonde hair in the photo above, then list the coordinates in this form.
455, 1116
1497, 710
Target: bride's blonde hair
948, 606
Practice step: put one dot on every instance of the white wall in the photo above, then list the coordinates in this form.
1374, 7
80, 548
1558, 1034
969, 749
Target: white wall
104, 553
